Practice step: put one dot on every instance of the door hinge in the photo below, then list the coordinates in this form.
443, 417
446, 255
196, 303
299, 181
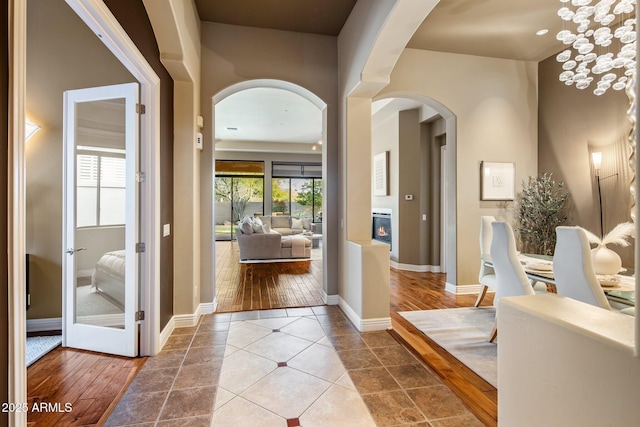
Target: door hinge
141, 177
140, 247
141, 109
139, 316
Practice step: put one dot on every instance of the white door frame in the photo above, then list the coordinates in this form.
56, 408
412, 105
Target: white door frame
97, 17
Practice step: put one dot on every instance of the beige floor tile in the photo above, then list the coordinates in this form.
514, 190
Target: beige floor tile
301, 311
189, 402
137, 408
242, 334
242, 369
325, 341
305, 328
240, 412
198, 375
286, 392
278, 347
320, 361
373, 380
338, 407
392, 408
229, 350
222, 397
273, 323
346, 382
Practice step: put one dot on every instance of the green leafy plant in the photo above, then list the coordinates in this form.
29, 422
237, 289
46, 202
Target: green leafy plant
541, 207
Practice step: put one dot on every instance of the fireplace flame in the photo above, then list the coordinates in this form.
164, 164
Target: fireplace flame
382, 232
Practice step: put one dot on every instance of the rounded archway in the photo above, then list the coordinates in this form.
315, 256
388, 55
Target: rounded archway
430, 109
286, 106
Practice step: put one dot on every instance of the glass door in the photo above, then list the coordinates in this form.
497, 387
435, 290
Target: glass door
236, 197
100, 260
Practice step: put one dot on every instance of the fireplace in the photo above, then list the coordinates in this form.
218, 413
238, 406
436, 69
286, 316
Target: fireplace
382, 227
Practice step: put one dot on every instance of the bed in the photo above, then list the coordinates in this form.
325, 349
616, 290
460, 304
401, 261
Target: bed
108, 277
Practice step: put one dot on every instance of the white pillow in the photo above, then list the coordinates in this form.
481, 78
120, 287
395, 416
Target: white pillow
306, 223
257, 225
266, 228
296, 224
246, 225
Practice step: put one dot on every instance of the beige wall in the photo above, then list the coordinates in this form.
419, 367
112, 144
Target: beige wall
232, 54
52, 68
495, 104
571, 121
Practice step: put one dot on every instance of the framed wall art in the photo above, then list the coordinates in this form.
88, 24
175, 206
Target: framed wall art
498, 181
381, 174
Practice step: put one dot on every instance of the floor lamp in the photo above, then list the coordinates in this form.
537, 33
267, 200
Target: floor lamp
597, 162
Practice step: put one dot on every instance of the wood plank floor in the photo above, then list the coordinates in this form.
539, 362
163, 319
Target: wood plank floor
260, 286
83, 386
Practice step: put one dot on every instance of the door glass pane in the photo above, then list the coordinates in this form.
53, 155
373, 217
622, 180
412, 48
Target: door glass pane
223, 222
317, 200
100, 213
302, 198
280, 196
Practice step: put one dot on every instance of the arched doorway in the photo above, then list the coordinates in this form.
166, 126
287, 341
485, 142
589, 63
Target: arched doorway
267, 107
428, 111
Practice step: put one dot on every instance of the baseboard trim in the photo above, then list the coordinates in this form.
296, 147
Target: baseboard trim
416, 268
47, 324
330, 299
364, 325
185, 321
463, 289
166, 333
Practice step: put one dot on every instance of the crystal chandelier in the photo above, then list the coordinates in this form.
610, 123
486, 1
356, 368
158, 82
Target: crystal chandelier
588, 36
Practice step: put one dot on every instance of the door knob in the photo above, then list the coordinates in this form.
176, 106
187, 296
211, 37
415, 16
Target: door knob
72, 251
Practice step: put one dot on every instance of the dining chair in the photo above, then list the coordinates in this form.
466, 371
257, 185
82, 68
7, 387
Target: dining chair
511, 280
573, 269
486, 277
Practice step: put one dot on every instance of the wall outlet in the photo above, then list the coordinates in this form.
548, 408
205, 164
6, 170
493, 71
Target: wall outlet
166, 230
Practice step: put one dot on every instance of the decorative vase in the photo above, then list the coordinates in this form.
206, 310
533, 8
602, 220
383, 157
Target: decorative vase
605, 261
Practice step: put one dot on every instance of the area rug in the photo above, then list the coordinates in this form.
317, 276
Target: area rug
464, 333
39, 346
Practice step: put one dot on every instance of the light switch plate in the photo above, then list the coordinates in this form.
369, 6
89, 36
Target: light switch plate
408, 196
166, 230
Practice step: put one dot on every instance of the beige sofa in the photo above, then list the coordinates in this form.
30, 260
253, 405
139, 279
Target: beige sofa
286, 225
257, 242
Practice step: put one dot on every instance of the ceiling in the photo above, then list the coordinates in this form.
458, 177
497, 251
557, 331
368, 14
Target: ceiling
317, 17
494, 28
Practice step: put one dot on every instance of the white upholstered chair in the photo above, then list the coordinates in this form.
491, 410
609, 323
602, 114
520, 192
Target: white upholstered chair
487, 276
573, 269
511, 280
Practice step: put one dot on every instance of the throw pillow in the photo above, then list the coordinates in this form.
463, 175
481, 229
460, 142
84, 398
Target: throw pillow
257, 225
306, 223
296, 224
266, 228
246, 225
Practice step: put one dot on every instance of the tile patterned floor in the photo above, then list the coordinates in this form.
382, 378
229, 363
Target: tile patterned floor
286, 367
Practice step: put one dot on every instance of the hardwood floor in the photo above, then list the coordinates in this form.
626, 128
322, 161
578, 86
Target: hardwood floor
425, 291
260, 286
93, 382
77, 387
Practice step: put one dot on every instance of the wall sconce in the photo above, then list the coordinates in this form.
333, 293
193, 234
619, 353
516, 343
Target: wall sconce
30, 128
597, 163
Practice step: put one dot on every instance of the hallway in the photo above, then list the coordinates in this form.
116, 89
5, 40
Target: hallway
286, 367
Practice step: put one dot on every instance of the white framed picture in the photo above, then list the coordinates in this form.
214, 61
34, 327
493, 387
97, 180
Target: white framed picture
498, 181
381, 174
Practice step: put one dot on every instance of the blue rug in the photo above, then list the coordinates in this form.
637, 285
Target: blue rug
39, 346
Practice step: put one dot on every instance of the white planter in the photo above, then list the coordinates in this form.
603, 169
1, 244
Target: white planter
605, 261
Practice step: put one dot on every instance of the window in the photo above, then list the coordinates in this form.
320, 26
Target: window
100, 188
297, 190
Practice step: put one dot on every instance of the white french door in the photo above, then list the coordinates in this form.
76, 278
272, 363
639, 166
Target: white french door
101, 216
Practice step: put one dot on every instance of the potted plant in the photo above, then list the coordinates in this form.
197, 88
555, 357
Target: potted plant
606, 261
541, 207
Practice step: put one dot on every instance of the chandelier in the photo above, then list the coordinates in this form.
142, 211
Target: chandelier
592, 54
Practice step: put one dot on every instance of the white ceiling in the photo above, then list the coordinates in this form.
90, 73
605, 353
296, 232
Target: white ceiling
268, 115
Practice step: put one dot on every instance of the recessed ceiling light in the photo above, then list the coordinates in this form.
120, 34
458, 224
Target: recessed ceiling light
542, 32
